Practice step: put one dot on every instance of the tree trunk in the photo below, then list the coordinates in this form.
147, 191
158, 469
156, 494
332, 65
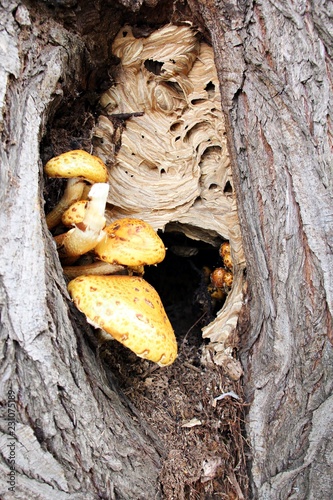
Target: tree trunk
275, 62
76, 435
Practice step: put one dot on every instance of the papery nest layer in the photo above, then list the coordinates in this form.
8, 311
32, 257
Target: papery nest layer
172, 161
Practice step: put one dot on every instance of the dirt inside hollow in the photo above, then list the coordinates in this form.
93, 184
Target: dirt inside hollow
203, 436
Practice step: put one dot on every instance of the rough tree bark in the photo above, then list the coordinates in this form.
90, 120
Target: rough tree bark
76, 437
275, 61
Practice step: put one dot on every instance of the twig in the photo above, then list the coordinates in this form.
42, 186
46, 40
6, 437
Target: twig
195, 324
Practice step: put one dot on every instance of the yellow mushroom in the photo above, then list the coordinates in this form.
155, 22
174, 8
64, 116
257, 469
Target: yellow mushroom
228, 279
221, 277
74, 214
87, 233
225, 254
130, 242
130, 310
227, 261
224, 249
78, 166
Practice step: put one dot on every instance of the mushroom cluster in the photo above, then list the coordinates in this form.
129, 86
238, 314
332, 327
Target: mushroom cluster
163, 131
221, 278
125, 306
80, 168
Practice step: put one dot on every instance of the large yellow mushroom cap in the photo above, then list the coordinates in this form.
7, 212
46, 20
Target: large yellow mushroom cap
130, 242
77, 163
129, 309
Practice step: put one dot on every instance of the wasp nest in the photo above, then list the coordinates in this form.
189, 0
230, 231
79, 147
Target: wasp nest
163, 136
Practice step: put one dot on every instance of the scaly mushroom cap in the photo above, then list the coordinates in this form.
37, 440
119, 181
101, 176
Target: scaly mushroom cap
74, 214
130, 310
77, 163
217, 277
227, 261
130, 242
220, 277
228, 279
224, 249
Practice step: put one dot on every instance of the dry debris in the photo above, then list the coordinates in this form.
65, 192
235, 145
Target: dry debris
201, 431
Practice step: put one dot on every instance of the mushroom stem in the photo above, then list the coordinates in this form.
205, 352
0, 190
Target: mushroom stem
79, 166
86, 234
73, 193
97, 268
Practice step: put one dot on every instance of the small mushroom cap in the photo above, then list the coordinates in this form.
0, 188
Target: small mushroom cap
227, 261
217, 277
130, 242
228, 279
224, 249
221, 277
75, 213
77, 163
130, 310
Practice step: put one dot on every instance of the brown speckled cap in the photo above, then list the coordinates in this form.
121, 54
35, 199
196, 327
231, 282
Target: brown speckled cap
77, 163
130, 242
129, 309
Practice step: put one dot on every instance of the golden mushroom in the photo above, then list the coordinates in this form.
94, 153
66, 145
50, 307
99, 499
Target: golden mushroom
130, 310
225, 254
227, 261
87, 233
130, 242
221, 277
75, 213
77, 166
224, 249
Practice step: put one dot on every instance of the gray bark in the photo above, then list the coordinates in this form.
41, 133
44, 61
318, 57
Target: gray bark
76, 437
275, 63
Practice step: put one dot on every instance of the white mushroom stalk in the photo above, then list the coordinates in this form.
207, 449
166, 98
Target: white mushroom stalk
80, 168
73, 192
97, 268
86, 234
